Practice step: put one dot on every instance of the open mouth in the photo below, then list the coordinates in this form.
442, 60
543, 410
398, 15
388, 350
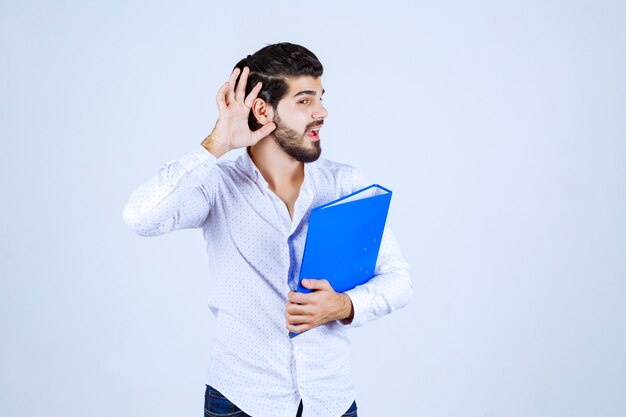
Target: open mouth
314, 134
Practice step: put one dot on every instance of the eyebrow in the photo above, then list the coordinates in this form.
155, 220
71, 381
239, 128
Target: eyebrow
308, 92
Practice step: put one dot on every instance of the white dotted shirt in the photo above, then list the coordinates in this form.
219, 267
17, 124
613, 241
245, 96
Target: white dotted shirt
255, 251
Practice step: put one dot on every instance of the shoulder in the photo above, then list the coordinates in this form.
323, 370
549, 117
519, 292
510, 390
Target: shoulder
332, 169
227, 164
344, 176
225, 173
231, 167
333, 166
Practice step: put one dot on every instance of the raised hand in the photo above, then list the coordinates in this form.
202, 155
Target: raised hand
231, 130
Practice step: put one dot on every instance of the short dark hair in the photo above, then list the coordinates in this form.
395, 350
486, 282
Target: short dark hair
272, 65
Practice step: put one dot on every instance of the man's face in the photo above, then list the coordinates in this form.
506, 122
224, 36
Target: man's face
299, 116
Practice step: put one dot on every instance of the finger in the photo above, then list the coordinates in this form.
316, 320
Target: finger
294, 308
253, 94
241, 85
298, 328
316, 284
259, 134
230, 97
296, 320
221, 97
294, 297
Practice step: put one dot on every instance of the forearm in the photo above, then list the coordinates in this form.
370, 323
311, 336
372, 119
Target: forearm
390, 288
380, 296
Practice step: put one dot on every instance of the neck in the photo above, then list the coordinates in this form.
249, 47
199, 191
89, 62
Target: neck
279, 169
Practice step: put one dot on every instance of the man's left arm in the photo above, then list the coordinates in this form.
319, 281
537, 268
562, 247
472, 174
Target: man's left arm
389, 289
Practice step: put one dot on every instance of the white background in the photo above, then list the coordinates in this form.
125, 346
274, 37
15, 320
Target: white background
500, 127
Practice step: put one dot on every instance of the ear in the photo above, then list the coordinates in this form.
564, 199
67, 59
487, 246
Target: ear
263, 112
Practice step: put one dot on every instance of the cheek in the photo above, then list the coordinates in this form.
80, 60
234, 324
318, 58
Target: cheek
297, 122
302, 120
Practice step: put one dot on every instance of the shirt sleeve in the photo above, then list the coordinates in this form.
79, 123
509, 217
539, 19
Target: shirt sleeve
179, 196
390, 288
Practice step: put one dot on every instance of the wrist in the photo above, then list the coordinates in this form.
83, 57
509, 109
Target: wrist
348, 310
213, 146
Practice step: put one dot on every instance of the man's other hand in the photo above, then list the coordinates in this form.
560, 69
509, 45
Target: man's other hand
307, 311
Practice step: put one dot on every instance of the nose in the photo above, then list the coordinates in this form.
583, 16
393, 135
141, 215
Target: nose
320, 111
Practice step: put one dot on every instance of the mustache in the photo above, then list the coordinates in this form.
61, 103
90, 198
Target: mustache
314, 125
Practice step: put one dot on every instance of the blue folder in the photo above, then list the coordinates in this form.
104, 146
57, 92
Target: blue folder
343, 239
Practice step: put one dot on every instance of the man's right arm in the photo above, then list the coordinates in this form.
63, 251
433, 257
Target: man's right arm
181, 194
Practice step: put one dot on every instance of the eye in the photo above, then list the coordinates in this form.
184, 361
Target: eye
304, 101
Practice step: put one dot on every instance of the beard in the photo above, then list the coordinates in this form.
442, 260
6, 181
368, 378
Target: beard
293, 144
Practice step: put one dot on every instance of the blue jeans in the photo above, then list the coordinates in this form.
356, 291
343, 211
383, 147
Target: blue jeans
217, 405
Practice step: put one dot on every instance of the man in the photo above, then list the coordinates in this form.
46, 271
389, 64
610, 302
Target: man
254, 215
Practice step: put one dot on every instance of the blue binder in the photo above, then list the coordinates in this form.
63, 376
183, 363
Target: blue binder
343, 239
